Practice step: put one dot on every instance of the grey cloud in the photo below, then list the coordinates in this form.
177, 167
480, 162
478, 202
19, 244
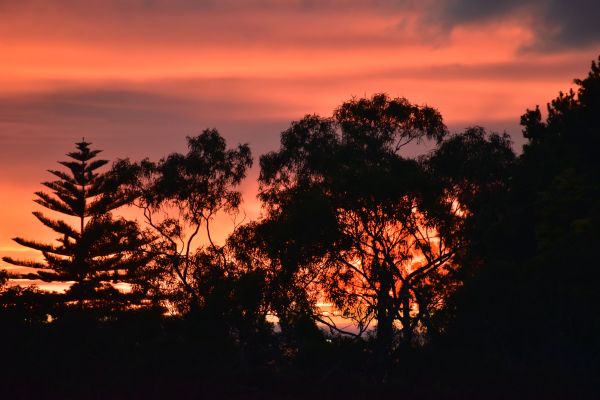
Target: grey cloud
207, 98
461, 11
578, 21
96, 104
124, 117
557, 24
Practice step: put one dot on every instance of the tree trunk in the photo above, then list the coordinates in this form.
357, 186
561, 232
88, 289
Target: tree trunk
407, 332
385, 329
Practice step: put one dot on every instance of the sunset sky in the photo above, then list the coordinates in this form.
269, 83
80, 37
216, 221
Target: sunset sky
136, 77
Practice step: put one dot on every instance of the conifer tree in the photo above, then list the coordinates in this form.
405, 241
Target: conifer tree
98, 249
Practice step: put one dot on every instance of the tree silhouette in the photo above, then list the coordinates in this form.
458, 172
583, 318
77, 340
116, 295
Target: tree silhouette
476, 169
3, 279
387, 252
180, 195
560, 180
100, 249
529, 303
284, 261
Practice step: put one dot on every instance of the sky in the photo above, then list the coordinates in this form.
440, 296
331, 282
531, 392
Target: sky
136, 77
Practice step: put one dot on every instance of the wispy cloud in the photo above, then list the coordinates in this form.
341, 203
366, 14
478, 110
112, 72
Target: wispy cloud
136, 76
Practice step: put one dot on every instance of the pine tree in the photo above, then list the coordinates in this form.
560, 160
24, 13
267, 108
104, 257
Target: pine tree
100, 249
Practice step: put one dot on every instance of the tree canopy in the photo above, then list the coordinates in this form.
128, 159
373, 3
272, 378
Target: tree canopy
101, 249
379, 245
180, 195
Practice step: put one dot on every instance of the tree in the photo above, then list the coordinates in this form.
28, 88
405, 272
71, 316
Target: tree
3, 279
179, 196
387, 251
100, 249
560, 178
268, 247
530, 305
475, 169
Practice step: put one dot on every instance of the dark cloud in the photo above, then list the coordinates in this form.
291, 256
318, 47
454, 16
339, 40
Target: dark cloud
468, 11
99, 104
557, 24
578, 21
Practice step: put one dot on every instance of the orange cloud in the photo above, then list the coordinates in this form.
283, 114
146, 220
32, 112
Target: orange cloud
136, 77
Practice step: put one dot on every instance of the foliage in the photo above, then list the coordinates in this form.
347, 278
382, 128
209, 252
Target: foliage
180, 195
377, 251
101, 249
530, 306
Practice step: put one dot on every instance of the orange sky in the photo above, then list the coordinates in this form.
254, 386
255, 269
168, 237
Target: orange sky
136, 77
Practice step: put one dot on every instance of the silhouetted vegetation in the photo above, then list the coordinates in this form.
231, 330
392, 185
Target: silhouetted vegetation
468, 272
100, 250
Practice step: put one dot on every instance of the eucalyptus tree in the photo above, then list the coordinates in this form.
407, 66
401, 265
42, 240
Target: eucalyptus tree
388, 233
179, 196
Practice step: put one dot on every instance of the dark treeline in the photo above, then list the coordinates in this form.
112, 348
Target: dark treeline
468, 272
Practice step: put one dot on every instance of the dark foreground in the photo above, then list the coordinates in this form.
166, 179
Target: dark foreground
148, 357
